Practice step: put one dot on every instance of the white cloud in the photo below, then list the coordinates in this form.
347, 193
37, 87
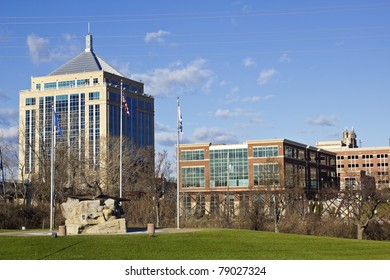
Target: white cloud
38, 48
285, 58
232, 96
9, 128
268, 97
214, 135
41, 50
235, 89
9, 132
172, 81
248, 62
323, 120
8, 116
257, 98
222, 83
158, 36
164, 138
252, 99
226, 113
265, 76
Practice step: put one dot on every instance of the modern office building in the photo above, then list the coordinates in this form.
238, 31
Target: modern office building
211, 173
85, 94
355, 163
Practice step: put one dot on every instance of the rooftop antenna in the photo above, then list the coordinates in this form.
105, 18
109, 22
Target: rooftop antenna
88, 40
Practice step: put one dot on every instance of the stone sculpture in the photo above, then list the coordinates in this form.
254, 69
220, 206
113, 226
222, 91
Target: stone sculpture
93, 216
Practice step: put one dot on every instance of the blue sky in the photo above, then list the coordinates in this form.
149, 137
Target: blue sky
244, 70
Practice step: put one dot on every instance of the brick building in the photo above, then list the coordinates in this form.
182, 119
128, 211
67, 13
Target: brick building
214, 173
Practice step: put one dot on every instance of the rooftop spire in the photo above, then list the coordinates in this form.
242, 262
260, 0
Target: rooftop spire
88, 41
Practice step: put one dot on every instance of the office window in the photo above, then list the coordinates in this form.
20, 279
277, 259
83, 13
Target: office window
29, 131
261, 152
368, 156
187, 204
30, 101
48, 86
200, 205
289, 152
193, 177
350, 182
229, 167
94, 95
82, 82
266, 174
214, 203
94, 136
192, 155
66, 84
382, 156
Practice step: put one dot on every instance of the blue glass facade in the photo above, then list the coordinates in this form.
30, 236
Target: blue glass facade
139, 126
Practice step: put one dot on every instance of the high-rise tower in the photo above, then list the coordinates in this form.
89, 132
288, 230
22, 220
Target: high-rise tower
85, 93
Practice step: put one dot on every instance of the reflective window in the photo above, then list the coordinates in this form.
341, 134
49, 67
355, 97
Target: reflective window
193, 177
66, 84
266, 174
30, 101
229, 167
48, 86
260, 152
192, 155
83, 82
94, 95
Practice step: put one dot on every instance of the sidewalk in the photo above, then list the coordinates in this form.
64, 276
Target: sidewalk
129, 231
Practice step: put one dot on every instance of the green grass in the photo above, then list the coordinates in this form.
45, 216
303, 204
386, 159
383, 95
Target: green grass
200, 245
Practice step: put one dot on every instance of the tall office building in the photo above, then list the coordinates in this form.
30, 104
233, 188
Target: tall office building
85, 94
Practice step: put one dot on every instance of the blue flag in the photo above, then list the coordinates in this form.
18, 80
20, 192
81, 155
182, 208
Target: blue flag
57, 124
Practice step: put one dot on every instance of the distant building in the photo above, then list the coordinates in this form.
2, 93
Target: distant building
85, 93
348, 141
351, 160
213, 173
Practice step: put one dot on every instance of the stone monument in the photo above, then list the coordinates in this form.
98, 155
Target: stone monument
93, 216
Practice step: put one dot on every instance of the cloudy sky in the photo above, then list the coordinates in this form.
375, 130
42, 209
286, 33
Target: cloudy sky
244, 70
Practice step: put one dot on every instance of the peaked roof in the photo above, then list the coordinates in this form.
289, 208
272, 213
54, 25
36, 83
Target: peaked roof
87, 61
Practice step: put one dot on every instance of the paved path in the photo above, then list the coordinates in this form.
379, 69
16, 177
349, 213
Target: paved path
130, 231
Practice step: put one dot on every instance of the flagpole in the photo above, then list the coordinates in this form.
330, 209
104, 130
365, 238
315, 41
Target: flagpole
2, 175
120, 144
52, 171
178, 166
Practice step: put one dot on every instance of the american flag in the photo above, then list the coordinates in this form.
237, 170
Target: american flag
125, 105
180, 118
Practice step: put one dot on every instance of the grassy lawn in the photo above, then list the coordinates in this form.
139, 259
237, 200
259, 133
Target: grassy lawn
218, 244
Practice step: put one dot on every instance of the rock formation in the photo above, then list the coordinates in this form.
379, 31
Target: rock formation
94, 216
